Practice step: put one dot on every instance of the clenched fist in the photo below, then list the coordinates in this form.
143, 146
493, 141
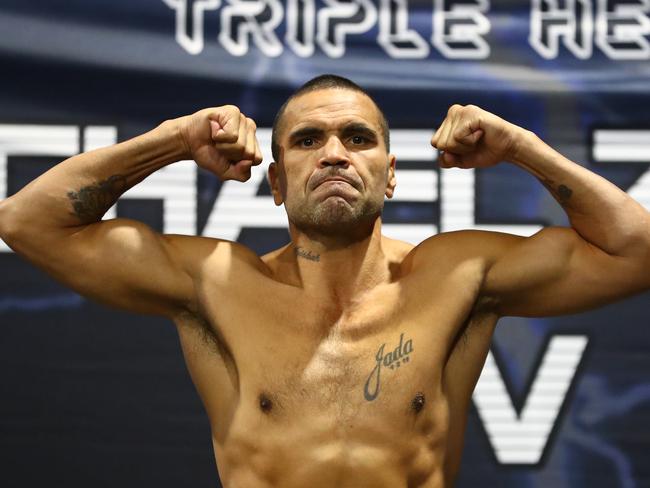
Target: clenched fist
470, 137
222, 140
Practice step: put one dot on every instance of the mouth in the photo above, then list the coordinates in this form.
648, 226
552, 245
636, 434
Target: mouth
335, 187
335, 181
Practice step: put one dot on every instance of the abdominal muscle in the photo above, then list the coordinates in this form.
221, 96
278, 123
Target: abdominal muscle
321, 450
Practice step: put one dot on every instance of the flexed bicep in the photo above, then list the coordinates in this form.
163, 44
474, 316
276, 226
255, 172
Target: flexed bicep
556, 272
55, 220
122, 263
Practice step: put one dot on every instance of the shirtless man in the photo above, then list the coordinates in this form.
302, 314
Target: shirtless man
344, 359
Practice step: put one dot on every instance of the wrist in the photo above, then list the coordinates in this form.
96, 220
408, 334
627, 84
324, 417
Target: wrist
172, 131
522, 144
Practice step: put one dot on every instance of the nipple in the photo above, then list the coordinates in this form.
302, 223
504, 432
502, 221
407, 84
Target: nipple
265, 403
418, 402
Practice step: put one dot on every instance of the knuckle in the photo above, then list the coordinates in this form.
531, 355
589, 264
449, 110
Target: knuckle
232, 110
466, 110
251, 122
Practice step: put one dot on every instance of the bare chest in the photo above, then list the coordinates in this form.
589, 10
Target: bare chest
353, 380
355, 394
299, 352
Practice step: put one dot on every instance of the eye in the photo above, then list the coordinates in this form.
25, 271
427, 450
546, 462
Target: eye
358, 140
307, 142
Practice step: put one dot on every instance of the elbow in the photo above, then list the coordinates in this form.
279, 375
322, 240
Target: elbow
641, 238
8, 222
640, 257
638, 248
631, 239
646, 243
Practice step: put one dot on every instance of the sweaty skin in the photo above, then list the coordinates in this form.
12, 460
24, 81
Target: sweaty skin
345, 358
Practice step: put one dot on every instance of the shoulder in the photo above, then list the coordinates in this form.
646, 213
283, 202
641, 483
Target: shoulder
197, 254
462, 257
461, 246
457, 262
395, 249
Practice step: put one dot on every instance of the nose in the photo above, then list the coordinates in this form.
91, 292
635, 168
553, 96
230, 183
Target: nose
334, 153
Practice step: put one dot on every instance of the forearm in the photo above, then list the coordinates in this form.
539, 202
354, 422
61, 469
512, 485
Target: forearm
81, 189
598, 210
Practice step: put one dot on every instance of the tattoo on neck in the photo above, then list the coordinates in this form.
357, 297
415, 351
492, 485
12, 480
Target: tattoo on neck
393, 360
306, 254
561, 192
92, 201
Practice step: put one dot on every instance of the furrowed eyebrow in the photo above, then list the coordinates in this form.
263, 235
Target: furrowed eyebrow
360, 129
354, 128
305, 132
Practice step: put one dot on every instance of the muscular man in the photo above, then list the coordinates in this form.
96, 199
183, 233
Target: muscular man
344, 359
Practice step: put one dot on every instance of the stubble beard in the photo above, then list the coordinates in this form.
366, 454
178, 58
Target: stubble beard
335, 216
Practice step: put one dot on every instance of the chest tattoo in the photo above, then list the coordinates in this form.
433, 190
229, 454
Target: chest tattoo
392, 359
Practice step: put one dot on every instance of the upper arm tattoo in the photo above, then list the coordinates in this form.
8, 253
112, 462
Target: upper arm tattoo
92, 201
562, 193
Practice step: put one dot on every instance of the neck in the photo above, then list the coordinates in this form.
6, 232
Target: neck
342, 267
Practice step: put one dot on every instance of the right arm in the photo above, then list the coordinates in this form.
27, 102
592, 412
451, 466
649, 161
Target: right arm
55, 221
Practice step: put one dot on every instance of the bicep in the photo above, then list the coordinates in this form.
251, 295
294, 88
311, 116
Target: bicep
122, 263
555, 272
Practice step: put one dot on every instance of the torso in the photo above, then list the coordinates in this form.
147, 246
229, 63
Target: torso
301, 394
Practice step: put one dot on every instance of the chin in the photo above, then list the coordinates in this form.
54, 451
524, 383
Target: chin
336, 216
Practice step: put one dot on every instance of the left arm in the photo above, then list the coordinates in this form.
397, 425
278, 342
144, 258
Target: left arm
602, 257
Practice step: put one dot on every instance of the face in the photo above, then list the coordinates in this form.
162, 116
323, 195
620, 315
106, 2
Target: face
334, 170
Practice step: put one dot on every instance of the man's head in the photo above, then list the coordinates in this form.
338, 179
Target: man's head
332, 169
324, 82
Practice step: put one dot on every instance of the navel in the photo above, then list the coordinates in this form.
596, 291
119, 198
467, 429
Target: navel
418, 401
265, 403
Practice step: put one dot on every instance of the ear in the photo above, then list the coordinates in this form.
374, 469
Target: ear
391, 182
274, 183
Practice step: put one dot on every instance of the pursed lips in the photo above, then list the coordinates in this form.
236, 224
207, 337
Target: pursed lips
330, 180
335, 179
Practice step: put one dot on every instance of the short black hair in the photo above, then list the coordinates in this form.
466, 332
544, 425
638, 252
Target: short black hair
324, 82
